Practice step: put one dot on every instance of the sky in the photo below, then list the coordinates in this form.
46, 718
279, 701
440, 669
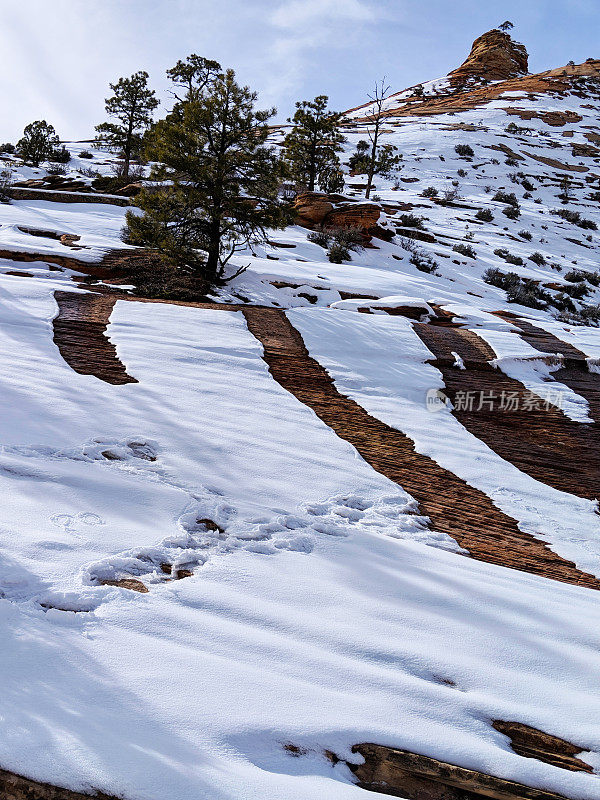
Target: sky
60, 55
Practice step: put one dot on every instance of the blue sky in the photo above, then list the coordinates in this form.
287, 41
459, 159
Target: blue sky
59, 55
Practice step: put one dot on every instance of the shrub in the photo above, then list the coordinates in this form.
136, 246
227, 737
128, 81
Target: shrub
423, 261
465, 250
505, 254
450, 195
350, 237
509, 198
578, 275
528, 293
512, 212
410, 221
526, 235
7, 147
528, 185
60, 155
462, 173
575, 275
502, 280
563, 302
518, 290
484, 214
593, 278
338, 253
591, 313
90, 173
57, 169
464, 150
5, 184
577, 290
342, 242
511, 162
86, 154
321, 238
538, 258
575, 218
513, 128
430, 192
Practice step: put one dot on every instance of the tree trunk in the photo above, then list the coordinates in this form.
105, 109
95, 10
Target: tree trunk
372, 161
212, 266
127, 151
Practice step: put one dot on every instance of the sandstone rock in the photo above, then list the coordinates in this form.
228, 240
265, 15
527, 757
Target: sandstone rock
69, 239
363, 216
319, 210
493, 57
311, 208
130, 190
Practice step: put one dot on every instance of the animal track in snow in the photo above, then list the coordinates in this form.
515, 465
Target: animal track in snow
201, 538
211, 527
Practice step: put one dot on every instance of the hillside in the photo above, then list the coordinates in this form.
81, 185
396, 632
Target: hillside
334, 529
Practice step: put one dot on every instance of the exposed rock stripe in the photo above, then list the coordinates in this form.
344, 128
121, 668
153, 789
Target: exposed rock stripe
575, 373
80, 335
542, 443
403, 774
15, 787
454, 507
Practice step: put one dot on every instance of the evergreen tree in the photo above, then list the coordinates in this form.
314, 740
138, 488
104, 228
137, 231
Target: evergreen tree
38, 143
194, 75
506, 26
131, 106
359, 160
221, 179
312, 146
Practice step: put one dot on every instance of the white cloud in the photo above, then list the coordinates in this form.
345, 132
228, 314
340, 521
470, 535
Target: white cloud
306, 26
294, 14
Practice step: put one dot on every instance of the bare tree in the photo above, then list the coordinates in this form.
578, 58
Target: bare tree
375, 120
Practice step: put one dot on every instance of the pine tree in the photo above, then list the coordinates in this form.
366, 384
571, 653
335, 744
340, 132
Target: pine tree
194, 75
131, 106
221, 179
506, 26
38, 143
312, 146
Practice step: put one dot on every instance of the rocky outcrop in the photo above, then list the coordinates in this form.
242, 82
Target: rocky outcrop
318, 210
403, 774
493, 57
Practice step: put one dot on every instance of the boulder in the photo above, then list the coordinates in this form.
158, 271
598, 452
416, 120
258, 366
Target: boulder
311, 208
319, 210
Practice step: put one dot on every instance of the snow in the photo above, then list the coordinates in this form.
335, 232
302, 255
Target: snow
201, 684
379, 306
99, 226
322, 611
